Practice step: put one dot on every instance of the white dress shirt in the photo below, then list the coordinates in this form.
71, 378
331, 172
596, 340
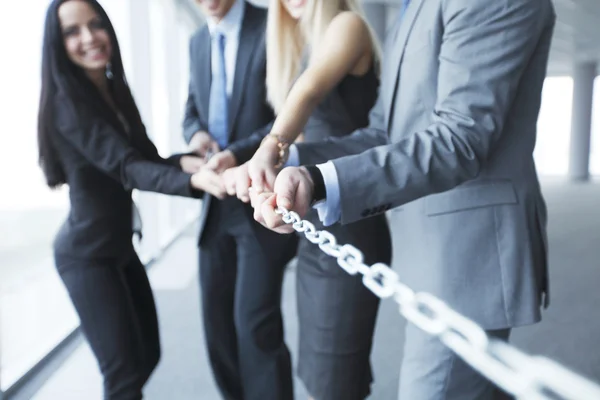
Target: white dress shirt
230, 27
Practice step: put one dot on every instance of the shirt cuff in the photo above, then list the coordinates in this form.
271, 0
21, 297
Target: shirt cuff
330, 210
293, 157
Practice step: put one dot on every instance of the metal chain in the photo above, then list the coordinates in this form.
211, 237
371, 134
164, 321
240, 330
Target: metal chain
524, 376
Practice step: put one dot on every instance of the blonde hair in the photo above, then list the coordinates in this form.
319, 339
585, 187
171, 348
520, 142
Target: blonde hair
287, 38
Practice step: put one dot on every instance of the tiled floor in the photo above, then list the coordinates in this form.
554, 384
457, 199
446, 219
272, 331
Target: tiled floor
34, 317
569, 332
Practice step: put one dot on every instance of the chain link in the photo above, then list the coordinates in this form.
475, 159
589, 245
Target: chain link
524, 376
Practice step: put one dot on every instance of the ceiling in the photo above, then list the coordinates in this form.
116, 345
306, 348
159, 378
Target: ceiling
576, 34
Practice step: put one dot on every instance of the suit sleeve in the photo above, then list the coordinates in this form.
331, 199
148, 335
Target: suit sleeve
244, 149
150, 152
192, 122
484, 51
111, 153
374, 134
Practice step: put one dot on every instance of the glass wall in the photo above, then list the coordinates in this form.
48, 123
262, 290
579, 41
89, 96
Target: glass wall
30, 214
554, 128
595, 144
35, 311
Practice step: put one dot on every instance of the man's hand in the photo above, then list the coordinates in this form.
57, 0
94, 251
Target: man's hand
210, 182
293, 190
191, 164
222, 161
202, 143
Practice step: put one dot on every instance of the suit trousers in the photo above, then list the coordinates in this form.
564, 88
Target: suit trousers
431, 371
241, 276
118, 318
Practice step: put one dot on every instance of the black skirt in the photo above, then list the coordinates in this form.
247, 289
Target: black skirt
337, 313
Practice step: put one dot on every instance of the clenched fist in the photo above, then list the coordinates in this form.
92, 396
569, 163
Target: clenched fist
293, 190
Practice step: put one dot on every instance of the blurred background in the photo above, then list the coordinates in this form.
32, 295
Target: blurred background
37, 323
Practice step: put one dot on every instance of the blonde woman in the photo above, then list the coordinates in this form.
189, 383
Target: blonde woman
322, 80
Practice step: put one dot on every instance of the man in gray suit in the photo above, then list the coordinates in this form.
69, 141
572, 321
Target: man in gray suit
449, 149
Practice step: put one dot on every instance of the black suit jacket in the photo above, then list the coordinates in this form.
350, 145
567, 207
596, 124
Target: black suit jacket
248, 111
103, 163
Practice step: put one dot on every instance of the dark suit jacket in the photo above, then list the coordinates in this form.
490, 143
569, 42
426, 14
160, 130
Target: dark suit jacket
103, 163
248, 111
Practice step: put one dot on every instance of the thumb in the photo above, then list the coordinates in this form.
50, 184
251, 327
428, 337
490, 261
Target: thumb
270, 175
256, 176
217, 162
210, 164
286, 187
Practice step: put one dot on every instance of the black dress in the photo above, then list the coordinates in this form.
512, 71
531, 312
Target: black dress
337, 312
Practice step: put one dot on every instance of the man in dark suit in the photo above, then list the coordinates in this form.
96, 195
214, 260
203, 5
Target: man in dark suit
241, 263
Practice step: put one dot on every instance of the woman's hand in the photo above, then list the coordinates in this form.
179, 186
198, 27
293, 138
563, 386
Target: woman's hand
261, 167
237, 182
209, 181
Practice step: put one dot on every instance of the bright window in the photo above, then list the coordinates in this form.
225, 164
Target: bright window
35, 311
595, 144
554, 127
30, 214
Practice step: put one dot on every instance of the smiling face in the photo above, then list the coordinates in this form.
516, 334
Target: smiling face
216, 9
294, 7
86, 39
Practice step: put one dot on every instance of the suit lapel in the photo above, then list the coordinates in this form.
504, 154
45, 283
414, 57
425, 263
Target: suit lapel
398, 46
204, 73
251, 31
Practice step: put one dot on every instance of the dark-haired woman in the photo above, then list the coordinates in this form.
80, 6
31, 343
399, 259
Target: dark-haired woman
91, 138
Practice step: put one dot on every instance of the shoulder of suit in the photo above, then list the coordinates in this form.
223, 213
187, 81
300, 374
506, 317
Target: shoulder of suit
201, 32
260, 13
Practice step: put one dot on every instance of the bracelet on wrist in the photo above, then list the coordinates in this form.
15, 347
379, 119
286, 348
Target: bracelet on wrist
283, 146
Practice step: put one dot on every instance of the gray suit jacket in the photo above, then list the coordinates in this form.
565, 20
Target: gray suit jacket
459, 103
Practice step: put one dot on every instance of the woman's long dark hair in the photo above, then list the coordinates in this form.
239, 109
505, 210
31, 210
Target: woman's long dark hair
61, 75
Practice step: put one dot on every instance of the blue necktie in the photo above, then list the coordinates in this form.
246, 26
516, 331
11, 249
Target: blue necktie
404, 7
218, 106
401, 13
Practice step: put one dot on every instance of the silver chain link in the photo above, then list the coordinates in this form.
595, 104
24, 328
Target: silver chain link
524, 376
